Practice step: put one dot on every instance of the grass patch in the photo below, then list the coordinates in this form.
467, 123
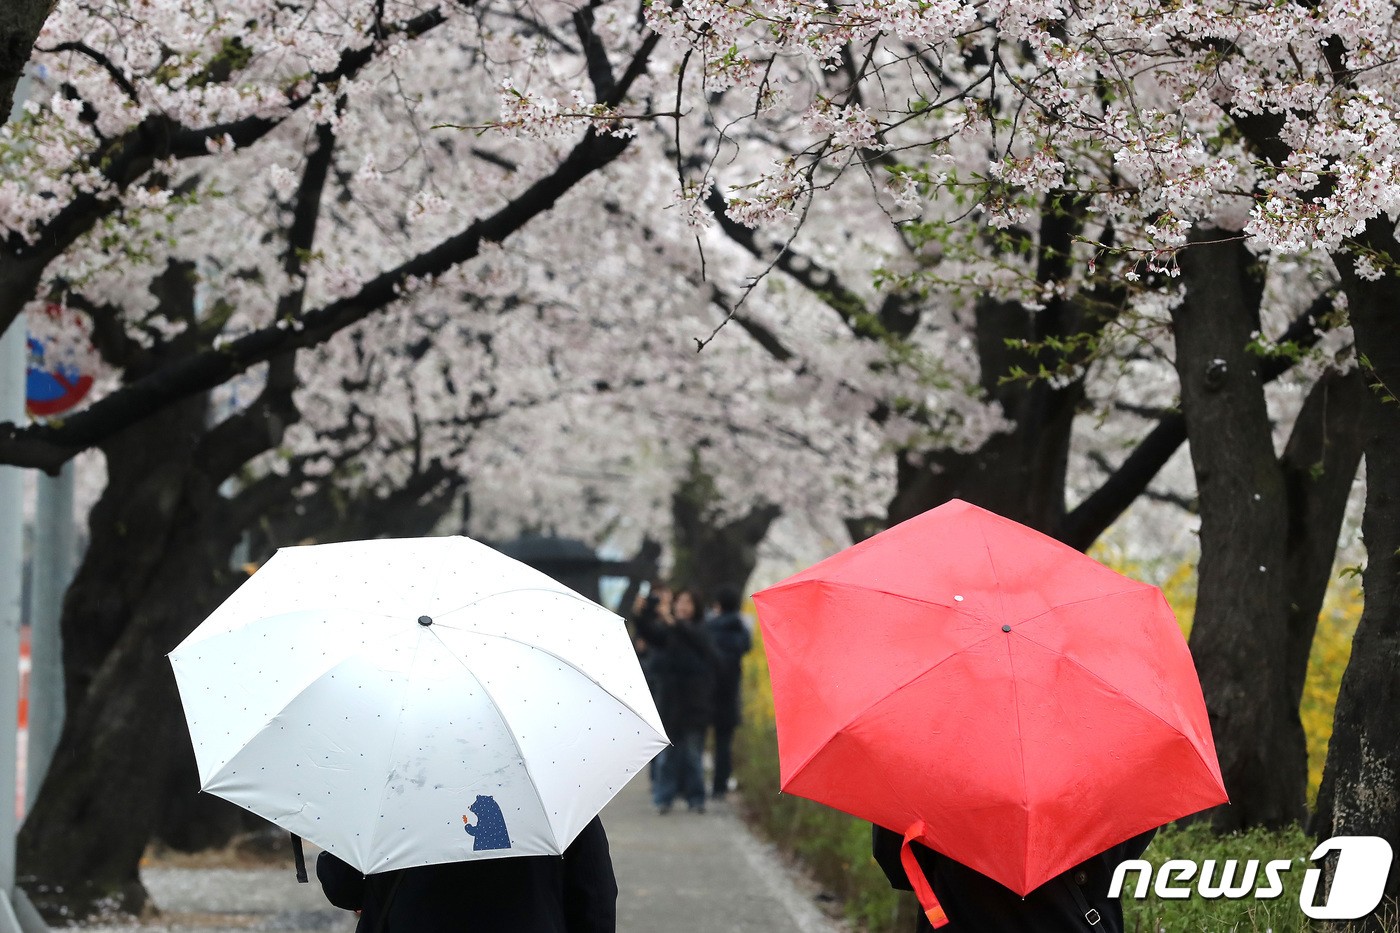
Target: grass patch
1154, 914
833, 848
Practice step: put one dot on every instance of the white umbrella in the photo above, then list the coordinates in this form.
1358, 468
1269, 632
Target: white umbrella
414, 701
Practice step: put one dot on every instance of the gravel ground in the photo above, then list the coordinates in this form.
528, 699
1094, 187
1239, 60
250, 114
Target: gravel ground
234, 900
681, 873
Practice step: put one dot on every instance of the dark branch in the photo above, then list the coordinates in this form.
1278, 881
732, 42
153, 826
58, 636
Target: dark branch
48, 446
118, 76
243, 436
599, 68
117, 348
762, 334
1092, 517
125, 160
821, 282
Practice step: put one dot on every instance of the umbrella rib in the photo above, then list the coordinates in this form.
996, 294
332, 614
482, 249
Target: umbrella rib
1130, 699
537, 647
217, 772
909, 597
1134, 586
571, 665
1015, 698
1138, 587
996, 577
437, 577
389, 757
1021, 750
1131, 587
519, 752
885, 696
563, 591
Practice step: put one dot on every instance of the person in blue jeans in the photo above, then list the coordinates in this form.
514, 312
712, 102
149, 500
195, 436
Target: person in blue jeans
684, 665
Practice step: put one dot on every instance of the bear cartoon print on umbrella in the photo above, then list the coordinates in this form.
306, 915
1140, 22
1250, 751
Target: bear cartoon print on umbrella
413, 701
973, 684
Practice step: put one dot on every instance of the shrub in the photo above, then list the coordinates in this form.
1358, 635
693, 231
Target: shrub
834, 848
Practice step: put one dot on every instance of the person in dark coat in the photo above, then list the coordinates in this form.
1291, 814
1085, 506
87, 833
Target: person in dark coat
647, 628
732, 641
1075, 901
684, 666
572, 893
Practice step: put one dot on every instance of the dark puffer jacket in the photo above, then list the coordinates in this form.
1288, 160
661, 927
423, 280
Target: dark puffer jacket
572, 893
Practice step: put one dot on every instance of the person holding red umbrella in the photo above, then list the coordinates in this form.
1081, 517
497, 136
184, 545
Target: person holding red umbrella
1072, 902
1015, 714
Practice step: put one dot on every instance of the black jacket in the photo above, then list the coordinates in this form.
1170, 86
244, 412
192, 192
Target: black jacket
732, 641
683, 665
572, 893
975, 903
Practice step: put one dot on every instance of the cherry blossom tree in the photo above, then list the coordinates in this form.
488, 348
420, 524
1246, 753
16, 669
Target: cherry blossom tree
1035, 359
1025, 470
1158, 133
215, 198
131, 109
226, 273
1069, 186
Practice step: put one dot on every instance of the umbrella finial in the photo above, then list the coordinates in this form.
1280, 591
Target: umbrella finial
425, 620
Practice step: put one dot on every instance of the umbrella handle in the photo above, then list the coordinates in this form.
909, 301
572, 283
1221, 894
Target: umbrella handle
922, 889
300, 858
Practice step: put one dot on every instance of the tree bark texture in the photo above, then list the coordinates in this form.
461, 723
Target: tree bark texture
129, 527
1361, 784
1018, 473
20, 22
710, 551
157, 563
150, 576
1319, 466
1239, 637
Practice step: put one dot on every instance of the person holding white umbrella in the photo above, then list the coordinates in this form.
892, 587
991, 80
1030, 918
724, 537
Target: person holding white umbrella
572, 893
445, 721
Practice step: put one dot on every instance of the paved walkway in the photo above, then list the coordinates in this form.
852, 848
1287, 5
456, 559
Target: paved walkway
681, 873
692, 873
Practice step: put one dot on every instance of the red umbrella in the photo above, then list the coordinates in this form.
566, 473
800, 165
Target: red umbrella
988, 691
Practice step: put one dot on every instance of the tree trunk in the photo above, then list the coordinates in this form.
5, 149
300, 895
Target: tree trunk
130, 525
1361, 784
159, 576
20, 22
1319, 467
157, 563
1239, 639
1019, 473
709, 552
